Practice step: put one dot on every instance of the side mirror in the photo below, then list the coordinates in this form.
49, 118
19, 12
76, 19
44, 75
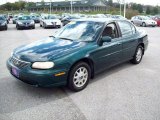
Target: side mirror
106, 39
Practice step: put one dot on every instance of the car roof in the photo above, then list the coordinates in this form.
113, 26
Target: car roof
103, 20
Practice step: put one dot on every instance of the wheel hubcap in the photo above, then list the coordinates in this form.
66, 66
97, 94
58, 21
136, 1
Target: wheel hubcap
80, 77
139, 54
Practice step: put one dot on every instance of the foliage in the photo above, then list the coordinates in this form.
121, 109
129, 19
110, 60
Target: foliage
113, 8
148, 10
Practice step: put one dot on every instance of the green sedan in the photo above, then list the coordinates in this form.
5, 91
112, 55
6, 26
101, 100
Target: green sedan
77, 52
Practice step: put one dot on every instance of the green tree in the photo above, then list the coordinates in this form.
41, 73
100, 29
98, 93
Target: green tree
148, 10
155, 10
110, 2
140, 8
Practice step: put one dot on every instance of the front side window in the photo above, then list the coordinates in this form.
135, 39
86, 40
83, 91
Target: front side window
111, 31
80, 31
125, 28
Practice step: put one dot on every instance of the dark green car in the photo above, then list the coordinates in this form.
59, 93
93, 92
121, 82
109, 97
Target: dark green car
78, 52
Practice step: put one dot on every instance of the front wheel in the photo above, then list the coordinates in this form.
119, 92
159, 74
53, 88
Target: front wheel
6, 27
33, 27
143, 24
17, 26
138, 55
79, 76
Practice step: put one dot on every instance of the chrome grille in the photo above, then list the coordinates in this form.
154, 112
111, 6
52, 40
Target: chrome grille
19, 63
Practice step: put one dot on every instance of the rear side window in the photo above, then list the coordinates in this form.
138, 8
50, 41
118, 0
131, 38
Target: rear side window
126, 28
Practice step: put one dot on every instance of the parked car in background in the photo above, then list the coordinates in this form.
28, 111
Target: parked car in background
3, 23
10, 16
14, 19
6, 17
143, 21
50, 21
119, 17
25, 22
20, 14
78, 52
36, 18
157, 19
68, 19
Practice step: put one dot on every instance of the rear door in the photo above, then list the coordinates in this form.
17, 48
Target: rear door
129, 39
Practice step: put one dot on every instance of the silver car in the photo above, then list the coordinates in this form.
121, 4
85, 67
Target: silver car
143, 21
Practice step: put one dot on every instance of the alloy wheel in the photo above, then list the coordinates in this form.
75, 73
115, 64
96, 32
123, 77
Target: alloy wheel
80, 77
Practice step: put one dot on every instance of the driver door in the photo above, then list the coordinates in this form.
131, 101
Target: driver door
109, 53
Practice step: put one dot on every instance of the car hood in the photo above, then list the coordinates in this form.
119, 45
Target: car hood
52, 20
149, 21
47, 49
25, 21
2, 21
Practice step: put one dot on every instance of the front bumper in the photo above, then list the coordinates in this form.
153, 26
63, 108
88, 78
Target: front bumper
2, 27
50, 25
151, 24
42, 78
26, 26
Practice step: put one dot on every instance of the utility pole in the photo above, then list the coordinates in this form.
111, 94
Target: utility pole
50, 6
120, 8
120, 5
71, 7
125, 8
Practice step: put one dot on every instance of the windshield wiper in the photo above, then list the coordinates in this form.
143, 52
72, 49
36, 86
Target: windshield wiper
65, 38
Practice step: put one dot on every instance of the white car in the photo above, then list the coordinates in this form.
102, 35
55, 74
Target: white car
143, 21
50, 21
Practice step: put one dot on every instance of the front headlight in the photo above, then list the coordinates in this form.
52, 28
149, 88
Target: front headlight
32, 22
20, 23
42, 65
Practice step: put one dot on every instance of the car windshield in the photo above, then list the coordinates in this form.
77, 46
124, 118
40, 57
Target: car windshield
24, 18
80, 31
2, 18
145, 18
51, 17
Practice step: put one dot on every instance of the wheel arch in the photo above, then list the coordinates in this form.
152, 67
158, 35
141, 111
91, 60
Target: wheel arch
142, 44
86, 60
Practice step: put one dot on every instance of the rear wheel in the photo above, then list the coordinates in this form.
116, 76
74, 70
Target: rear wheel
138, 55
79, 76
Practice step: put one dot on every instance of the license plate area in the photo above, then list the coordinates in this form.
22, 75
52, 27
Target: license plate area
54, 23
15, 72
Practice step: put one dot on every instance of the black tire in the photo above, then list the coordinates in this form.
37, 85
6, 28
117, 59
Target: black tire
6, 27
44, 26
143, 24
33, 27
72, 73
17, 27
135, 59
40, 25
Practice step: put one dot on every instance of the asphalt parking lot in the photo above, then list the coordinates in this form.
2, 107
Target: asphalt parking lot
125, 92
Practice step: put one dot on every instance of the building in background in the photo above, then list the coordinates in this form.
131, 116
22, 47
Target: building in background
65, 6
